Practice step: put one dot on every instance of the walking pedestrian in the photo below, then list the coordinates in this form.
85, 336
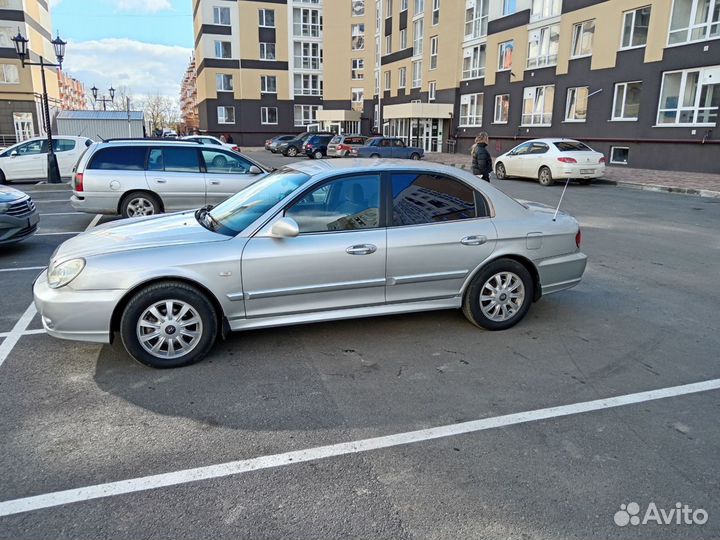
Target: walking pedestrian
222, 138
481, 159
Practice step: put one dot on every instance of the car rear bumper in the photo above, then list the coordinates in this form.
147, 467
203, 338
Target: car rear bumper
96, 203
580, 171
76, 315
16, 228
560, 273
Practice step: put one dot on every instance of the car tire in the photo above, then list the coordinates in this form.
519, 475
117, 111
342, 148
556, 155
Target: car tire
318, 154
3, 180
147, 310
375, 156
415, 156
292, 152
481, 302
500, 172
140, 203
545, 177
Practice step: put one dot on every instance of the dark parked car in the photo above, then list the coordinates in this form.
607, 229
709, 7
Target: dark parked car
294, 146
388, 147
272, 144
317, 145
18, 216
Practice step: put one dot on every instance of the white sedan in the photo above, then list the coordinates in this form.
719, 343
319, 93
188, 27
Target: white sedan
28, 160
212, 141
551, 159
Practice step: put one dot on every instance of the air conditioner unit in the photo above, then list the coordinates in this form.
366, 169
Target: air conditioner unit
710, 75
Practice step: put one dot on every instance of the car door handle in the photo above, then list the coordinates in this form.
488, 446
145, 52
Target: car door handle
363, 249
161, 181
473, 240
215, 182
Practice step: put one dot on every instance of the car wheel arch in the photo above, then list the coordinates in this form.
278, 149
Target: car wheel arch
527, 263
146, 191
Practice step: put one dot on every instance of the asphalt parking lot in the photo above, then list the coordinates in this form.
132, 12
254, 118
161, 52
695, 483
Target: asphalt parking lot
644, 319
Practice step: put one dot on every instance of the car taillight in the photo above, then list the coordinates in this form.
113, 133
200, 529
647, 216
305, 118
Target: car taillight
308, 146
567, 160
236, 149
78, 180
602, 159
578, 238
343, 147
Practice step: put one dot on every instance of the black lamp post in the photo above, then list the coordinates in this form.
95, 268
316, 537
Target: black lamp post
21, 47
103, 99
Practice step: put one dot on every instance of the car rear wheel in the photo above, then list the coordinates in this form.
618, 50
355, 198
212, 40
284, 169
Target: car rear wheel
169, 325
139, 203
292, 152
318, 154
415, 156
500, 171
3, 180
499, 296
545, 177
375, 156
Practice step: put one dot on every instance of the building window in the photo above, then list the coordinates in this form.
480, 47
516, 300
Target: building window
358, 69
576, 105
308, 55
267, 51
543, 46
308, 84
223, 82
268, 84
583, 38
694, 20
268, 116
436, 13
543, 9
402, 77
502, 109
357, 42
419, 7
476, 19
403, 39
221, 16
417, 74
403, 5
223, 49
357, 100
388, 44
9, 74
418, 35
538, 105
690, 97
635, 28
505, 56
434, 52
307, 22
358, 8
388, 8
509, 7
226, 115
305, 114
388, 81
432, 90
626, 103
619, 155
471, 109
267, 18
474, 62
377, 83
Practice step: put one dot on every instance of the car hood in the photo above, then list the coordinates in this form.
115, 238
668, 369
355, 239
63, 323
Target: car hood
8, 194
138, 233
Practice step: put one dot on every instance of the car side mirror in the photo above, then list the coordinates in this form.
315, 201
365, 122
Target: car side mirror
285, 228
14, 153
254, 169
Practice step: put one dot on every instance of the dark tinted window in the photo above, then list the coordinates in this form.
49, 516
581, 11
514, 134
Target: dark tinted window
121, 158
567, 146
337, 139
346, 204
220, 162
539, 148
354, 140
63, 145
522, 149
398, 143
429, 198
174, 160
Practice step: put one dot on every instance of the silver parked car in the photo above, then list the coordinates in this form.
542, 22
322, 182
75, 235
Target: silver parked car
314, 241
141, 178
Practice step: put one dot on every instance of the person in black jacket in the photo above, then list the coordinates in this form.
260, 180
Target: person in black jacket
481, 159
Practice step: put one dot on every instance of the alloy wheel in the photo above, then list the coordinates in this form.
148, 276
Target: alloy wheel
169, 329
502, 296
140, 206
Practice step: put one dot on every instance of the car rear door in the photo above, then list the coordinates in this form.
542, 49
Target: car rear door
440, 232
67, 154
174, 173
226, 173
535, 158
336, 262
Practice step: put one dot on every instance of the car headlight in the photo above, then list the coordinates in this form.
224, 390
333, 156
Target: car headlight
63, 273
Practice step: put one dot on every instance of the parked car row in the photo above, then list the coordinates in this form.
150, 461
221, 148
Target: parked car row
317, 145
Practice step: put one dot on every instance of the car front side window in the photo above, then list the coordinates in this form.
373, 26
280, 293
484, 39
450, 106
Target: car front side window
219, 162
346, 204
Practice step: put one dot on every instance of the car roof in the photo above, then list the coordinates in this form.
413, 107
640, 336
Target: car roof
552, 140
316, 167
148, 142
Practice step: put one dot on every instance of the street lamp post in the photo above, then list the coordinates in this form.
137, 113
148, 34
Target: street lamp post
103, 99
21, 48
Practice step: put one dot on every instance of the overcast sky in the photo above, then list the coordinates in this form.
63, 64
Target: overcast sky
142, 44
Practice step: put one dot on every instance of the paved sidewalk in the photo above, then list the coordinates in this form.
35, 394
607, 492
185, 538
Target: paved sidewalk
703, 185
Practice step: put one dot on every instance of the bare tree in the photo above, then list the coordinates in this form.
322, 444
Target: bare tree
122, 93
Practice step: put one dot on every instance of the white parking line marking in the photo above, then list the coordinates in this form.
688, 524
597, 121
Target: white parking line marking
14, 335
38, 192
63, 214
37, 201
111, 489
22, 268
94, 221
25, 333
56, 233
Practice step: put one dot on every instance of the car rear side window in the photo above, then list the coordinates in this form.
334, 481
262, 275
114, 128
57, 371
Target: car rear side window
420, 198
63, 145
119, 158
568, 146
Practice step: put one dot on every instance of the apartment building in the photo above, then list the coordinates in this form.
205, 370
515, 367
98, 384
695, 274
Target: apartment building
636, 79
72, 93
20, 88
188, 99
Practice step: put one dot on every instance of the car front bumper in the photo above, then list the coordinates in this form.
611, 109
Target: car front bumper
75, 315
560, 273
14, 229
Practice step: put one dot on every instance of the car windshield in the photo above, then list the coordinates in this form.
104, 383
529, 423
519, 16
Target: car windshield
568, 146
234, 215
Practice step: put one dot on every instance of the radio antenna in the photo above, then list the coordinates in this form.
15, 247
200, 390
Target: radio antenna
561, 200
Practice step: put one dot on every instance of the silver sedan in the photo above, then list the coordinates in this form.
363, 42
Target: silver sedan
314, 241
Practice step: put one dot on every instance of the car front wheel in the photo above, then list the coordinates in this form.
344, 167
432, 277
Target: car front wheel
499, 296
292, 151
168, 325
500, 171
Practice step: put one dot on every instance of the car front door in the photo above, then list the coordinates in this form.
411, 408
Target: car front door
440, 232
337, 261
28, 161
174, 174
516, 162
226, 173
